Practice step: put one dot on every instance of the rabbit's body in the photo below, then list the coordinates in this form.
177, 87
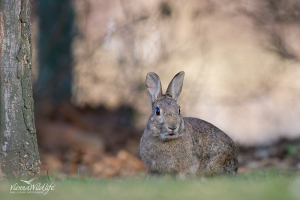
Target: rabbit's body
202, 150
182, 146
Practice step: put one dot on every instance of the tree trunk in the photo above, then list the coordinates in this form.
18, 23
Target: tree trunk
19, 156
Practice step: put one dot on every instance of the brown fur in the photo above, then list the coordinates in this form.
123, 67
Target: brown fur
194, 148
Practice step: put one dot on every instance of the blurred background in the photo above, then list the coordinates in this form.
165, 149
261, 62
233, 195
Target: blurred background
91, 57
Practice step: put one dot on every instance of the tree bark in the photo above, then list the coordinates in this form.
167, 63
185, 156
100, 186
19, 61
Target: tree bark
19, 156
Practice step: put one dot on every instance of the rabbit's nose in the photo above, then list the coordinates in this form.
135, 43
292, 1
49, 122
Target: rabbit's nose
172, 128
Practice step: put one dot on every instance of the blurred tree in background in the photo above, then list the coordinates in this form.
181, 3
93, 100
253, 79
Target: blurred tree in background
55, 59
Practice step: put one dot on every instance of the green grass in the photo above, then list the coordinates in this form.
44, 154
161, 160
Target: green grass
265, 184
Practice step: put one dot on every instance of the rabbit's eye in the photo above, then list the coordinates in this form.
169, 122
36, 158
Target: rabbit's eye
179, 111
157, 111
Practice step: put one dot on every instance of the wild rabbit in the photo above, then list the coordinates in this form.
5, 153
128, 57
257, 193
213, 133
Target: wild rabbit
186, 147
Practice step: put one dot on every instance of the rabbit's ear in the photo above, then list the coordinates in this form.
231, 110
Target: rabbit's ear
175, 86
154, 86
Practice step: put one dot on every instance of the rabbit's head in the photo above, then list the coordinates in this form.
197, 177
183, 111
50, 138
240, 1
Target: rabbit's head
165, 120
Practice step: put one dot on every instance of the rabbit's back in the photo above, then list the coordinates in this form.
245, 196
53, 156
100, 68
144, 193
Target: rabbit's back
215, 150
